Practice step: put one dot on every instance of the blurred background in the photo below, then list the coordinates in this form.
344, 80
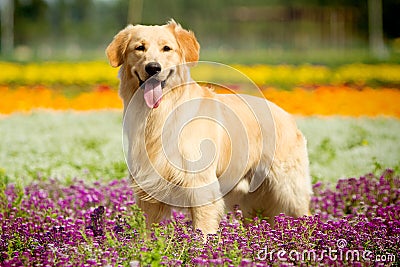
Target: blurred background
311, 57
231, 31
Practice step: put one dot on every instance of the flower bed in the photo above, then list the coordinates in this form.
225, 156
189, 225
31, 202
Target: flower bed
47, 223
280, 76
322, 100
26, 99
51, 223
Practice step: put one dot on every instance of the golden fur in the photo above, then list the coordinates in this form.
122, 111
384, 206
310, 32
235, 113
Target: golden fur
272, 150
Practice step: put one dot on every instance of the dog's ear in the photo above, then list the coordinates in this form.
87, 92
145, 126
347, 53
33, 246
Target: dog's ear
187, 42
116, 49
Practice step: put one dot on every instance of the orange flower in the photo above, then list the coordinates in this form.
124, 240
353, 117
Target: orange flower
324, 100
24, 99
337, 100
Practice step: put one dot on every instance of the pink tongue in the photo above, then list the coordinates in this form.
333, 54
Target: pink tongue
152, 93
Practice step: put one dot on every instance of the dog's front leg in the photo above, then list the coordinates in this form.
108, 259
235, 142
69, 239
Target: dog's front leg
207, 205
153, 211
207, 217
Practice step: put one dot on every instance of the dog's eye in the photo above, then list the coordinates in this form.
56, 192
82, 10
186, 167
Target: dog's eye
167, 48
140, 48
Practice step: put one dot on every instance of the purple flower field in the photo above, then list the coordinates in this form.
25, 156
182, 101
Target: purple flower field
50, 224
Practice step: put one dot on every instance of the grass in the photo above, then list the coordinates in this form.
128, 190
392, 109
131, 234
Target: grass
274, 56
88, 145
342, 147
253, 55
62, 145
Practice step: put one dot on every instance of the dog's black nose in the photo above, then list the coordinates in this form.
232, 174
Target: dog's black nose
153, 68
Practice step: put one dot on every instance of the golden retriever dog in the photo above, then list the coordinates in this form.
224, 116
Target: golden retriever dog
189, 147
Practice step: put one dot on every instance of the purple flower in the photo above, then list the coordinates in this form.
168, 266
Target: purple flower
47, 223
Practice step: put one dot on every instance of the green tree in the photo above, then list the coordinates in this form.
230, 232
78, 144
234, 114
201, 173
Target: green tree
30, 21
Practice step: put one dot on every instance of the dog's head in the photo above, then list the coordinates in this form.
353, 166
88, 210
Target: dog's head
152, 51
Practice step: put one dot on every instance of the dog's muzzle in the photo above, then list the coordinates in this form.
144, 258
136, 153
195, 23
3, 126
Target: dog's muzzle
153, 86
